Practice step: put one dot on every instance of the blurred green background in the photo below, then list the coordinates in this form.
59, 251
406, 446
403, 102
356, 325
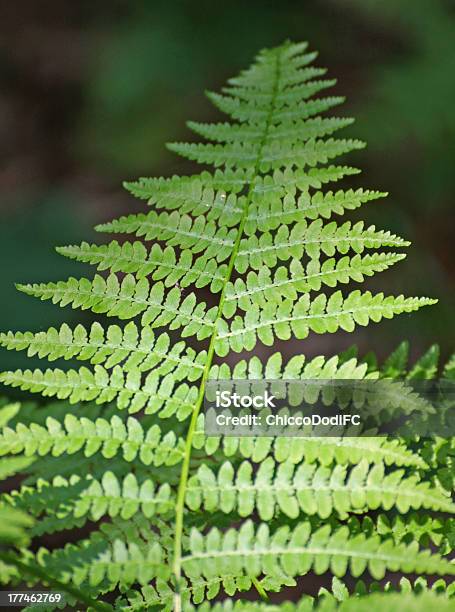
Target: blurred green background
91, 91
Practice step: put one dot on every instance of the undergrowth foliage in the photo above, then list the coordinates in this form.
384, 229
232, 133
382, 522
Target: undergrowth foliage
172, 517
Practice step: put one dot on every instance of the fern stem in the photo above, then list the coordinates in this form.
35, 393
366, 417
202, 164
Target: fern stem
260, 589
180, 503
37, 572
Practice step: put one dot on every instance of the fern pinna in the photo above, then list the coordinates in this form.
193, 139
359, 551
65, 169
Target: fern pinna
177, 517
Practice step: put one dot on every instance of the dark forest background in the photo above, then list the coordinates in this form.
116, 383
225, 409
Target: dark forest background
91, 91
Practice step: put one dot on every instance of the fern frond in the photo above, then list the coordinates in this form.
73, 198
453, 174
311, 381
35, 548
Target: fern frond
176, 229
186, 192
285, 182
267, 214
410, 594
259, 233
285, 319
96, 560
273, 157
312, 240
297, 367
309, 489
103, 386
119, 553
108, 438
129, 298
261, 287
253, 552
295, 70
158, 263
151, 447
287, 97
254, 113
80, 497
138, 349
194, 194
299, 130
326, 451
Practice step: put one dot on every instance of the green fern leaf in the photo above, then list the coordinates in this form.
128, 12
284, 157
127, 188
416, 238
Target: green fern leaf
158, 263
308, 489
253, 551
258, 232
109, 438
